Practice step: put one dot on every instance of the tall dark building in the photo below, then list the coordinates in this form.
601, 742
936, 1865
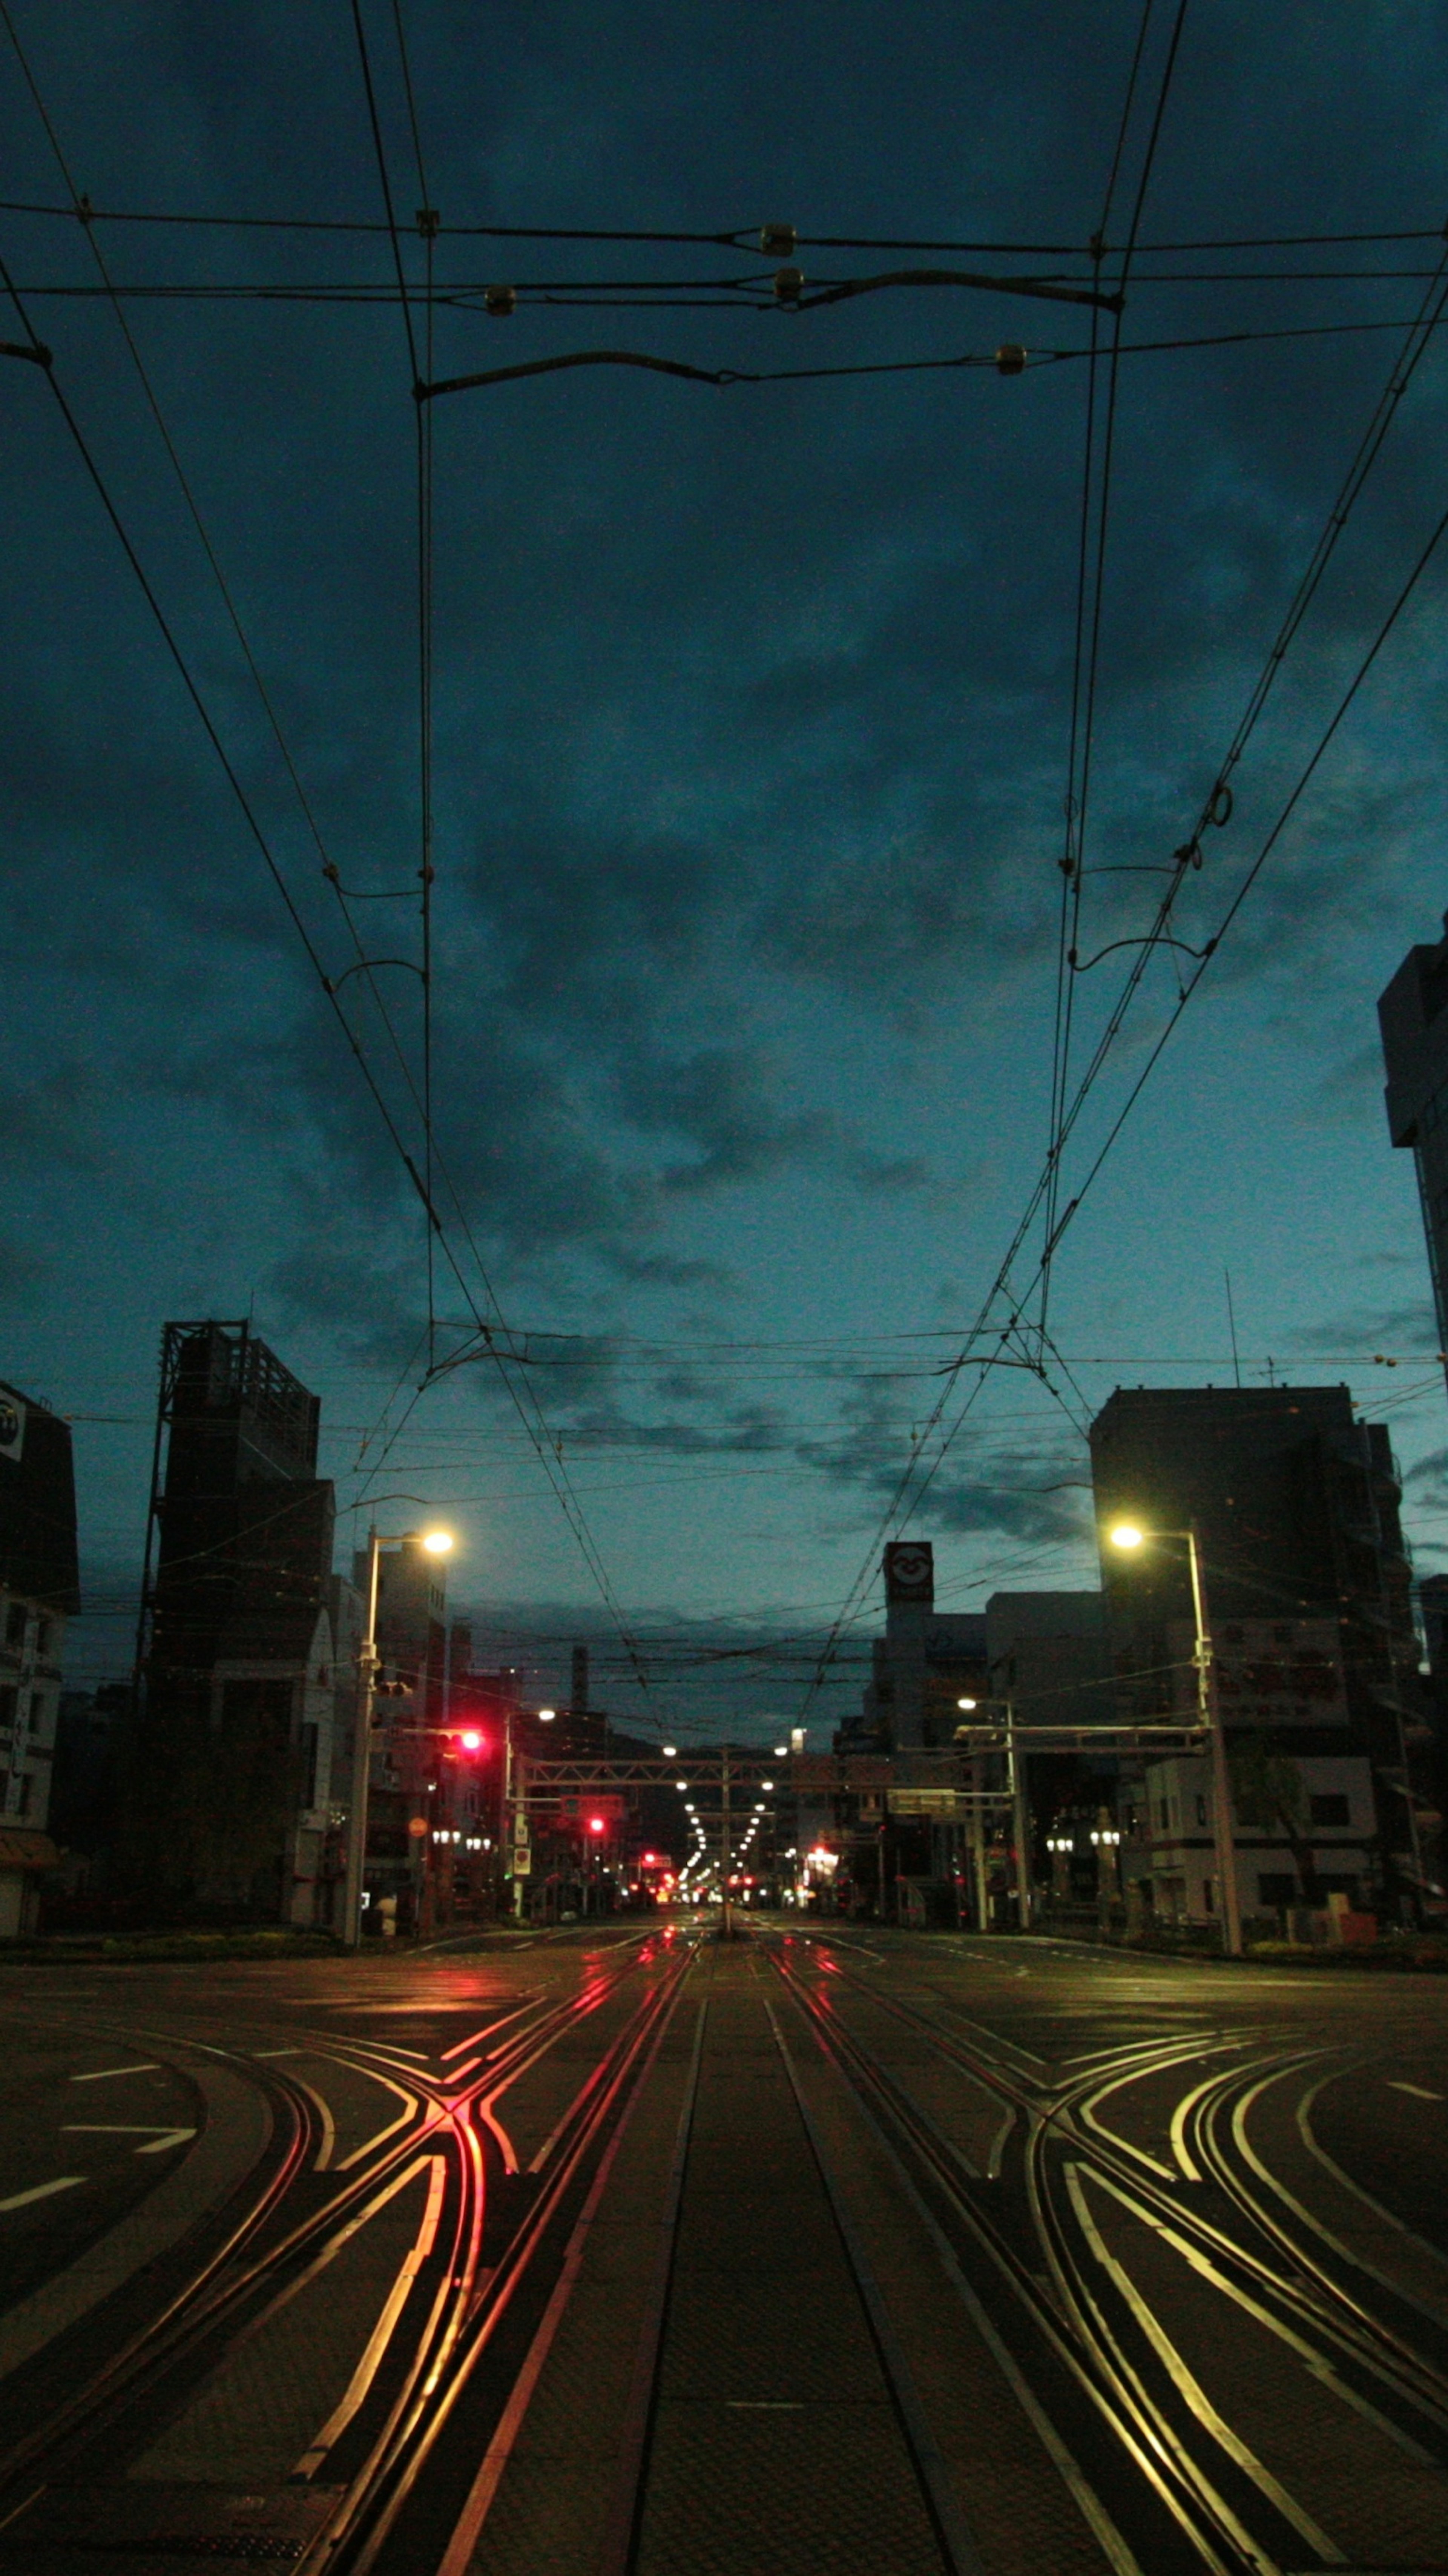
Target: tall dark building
243, 1523
1295, 1503
39, 1585
1413, 1018
230, 1787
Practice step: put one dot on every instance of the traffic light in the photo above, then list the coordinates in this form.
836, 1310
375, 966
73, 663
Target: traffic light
463, 1743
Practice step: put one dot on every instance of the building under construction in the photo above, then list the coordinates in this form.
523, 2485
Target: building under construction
236, 1769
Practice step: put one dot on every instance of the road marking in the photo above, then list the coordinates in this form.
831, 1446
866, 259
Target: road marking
276, 2052
1420, 2091
121, 2129
146, 2066
42, 2191
173, 2138
462, 2045
403, 2116
329, 2127
397, 2297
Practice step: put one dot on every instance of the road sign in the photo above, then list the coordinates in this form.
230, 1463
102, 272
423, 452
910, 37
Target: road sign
522, 1860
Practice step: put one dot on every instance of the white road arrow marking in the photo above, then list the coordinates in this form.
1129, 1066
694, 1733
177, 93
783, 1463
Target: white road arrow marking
41, 2191
129, 2129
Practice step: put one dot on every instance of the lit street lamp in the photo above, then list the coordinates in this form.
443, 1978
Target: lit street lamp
437, 1542
1128, 1536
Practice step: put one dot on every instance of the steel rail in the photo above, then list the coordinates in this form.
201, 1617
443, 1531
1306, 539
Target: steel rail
216, 2296
359, 2530
1157, 2427
930, 2174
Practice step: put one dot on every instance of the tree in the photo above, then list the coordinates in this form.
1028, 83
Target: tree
1268, 1792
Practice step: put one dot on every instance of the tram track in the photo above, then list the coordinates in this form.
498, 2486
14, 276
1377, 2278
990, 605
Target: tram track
1035, 2240
472, 2256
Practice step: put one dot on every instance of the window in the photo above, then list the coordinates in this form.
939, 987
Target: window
42, 1637
15, 1624
1201, 1811
1329, 1807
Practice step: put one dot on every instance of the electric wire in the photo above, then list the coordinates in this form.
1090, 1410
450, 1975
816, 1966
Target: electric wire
736, 237
525, 1399
1078, 786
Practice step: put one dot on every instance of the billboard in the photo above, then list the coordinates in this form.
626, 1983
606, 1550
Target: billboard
910, 1572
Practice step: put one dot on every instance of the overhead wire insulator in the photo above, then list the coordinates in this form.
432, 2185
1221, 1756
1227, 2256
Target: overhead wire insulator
778, 241
500, 301
788, 285
1010, 358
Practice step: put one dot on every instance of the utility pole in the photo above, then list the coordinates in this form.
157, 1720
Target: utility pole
977, 1849
1021, 1821
1211, 1717
724, 1840
361, 1756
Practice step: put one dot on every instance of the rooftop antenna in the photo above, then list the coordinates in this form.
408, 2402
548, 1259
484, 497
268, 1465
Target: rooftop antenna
1232, 1327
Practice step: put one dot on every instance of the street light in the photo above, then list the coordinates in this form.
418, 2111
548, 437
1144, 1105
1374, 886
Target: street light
1128, 1536
437, 1542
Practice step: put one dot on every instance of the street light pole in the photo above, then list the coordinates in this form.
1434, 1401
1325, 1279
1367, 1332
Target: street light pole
362, 1756
1209, 1711
1209, 1718
1020, 1820
437, 1543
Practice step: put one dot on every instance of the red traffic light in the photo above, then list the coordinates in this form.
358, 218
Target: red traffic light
470, 1740
595, 1824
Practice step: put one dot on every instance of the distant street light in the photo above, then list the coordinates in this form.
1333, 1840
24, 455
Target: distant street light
438, 1542
1128, 1536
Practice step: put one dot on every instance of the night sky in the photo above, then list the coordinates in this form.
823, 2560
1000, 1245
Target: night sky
751, 709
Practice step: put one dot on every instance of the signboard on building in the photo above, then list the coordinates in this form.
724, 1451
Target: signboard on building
1270, 1672
910, 1572
12, 1426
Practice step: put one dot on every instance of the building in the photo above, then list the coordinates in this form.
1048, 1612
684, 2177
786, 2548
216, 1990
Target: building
235, 1796
1413, 1020
1304, 1822
1295, 1505
926, 1662
39, 1589
1049, 1657
90, 1744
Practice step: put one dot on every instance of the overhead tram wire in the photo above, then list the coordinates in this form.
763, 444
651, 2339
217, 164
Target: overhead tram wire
1077, 752
1082, 716
1065, 1010
362, 964
34, 349
1358, 471
538, 1431
739, 237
